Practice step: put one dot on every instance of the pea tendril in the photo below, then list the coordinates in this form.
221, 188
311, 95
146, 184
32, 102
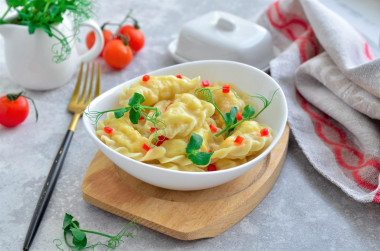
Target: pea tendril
79, 238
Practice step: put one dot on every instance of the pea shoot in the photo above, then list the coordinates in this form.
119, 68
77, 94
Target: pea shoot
193, 153
79, 238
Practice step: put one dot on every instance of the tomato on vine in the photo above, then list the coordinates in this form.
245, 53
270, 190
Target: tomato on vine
14, 109
90, 39
117, 54
136, 37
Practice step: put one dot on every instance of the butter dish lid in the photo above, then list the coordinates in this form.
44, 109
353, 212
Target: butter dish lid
221, 35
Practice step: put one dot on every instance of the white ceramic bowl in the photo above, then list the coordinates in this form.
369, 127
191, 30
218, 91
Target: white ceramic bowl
245, 77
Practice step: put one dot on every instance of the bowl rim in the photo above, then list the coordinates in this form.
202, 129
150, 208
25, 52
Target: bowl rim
90, 127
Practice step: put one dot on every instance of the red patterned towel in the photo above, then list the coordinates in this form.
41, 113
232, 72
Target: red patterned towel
332, 83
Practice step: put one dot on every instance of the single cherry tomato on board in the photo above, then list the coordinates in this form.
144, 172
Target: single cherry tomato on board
14, 109
90, 39
136, 37
117, 54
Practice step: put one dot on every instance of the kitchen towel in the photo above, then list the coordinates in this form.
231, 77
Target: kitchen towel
331, 79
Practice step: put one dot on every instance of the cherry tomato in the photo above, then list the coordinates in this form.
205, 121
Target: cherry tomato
90, 39
136, 37
13, 112
117, 55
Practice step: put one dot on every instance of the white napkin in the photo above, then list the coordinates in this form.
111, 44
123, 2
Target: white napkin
332, 83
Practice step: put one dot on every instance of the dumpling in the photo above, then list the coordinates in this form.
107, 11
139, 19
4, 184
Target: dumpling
159, 88
185, 114
253, 142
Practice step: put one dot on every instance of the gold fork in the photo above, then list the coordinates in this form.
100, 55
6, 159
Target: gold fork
79, 101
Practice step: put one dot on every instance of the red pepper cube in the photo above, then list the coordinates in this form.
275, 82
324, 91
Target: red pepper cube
226, 88
213, 128
211, 168
179, 76
205, 83
239, 116
210, 151
141, 117
145, 147
264, 132
152, 129
107, 130
161, 140
145, 78
238, 140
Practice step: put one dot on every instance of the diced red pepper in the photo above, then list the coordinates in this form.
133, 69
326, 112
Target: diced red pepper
145, 147
205, 83
161, 139
108, 130
226, 88
152, 129
210, 151
179, 76
211, 168
239, 116
141, 118
264, 132
145, 78
238, 140
213, 128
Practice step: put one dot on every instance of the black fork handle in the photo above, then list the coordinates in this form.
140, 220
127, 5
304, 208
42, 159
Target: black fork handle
47, 189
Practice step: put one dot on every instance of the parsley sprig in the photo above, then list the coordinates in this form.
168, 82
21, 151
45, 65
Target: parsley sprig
193, 153
79, 238
45, 14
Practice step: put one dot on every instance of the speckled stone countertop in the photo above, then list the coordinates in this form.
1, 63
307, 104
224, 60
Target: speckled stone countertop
303, 211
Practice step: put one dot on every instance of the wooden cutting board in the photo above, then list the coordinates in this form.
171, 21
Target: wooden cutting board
185, 215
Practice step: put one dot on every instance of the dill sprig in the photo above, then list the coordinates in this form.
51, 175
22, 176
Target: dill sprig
46, 14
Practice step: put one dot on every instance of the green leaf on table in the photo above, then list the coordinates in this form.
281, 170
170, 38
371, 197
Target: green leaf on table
248, 111
67, 221
195, 143
200, 158
79, 238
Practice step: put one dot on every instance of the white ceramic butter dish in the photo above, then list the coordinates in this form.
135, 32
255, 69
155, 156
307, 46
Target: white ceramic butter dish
220, 35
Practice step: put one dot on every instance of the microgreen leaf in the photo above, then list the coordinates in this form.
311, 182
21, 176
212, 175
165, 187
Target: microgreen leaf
67, 221
137, 99
134, 116
231, 116
200, 158
195, 143
79, 238
248, 111
120, 112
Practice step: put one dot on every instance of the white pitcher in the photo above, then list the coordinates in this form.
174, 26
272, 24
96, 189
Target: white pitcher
29, 57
